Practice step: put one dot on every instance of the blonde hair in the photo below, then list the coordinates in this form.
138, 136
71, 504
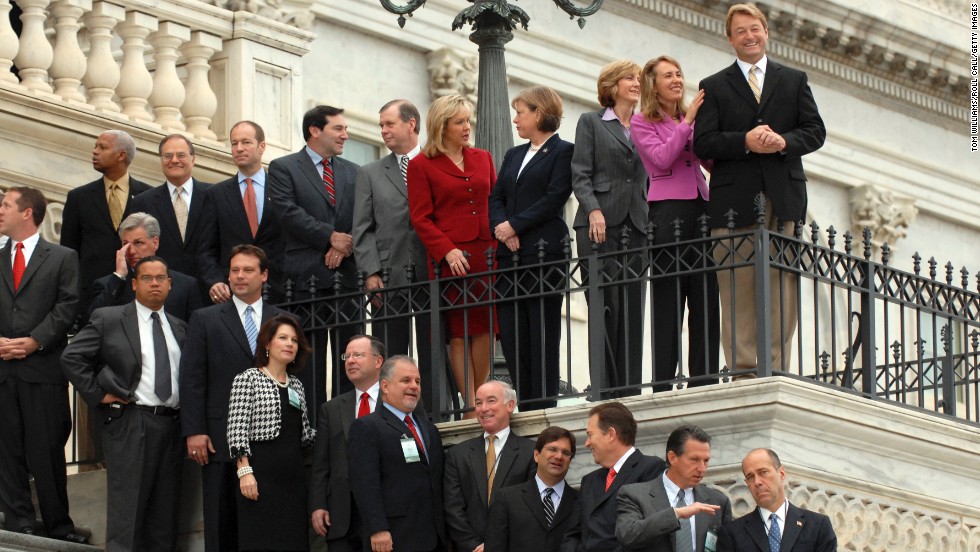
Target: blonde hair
750, 10
437, 119
545, 102
609, 77
649, 98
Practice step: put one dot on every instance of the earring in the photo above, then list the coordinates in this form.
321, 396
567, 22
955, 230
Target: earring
267, 353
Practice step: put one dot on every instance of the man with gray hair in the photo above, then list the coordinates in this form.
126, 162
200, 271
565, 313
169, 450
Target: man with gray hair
140, 237
93, 212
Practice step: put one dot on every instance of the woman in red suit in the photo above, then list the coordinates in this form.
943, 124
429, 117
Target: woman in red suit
448, 190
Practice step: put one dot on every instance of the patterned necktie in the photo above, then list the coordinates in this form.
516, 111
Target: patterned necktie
775, 535
491, 464
161, 355
754, 83
115, 206
180, 210
415, 433
683, 542
610, 477
251, 208
328, 182
19, 265
364, 408
549, 505
403, 165
251, 332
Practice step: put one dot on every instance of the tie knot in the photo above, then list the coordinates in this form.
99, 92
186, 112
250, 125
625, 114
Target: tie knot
20, 245
154, 315
548, 492
249, 309
248, 180
491, 439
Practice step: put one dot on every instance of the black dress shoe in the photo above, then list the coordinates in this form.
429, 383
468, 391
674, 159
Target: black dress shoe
74, 537
26, 530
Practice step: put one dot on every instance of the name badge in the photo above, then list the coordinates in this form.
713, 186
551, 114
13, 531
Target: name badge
294, 398
410, 450
711, 540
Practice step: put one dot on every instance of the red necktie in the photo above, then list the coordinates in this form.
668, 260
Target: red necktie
610, 477
328, 182
19, 265
364, 408
251, 209
415, 433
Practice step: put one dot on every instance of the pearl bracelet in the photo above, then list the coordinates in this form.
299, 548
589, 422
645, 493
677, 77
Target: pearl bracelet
243, 471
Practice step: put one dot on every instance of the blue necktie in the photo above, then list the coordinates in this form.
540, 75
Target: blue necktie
251, 332
774, 534
683, 537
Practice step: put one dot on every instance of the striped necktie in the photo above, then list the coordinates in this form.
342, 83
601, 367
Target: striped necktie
549, 505
251, 332
328, 182
403, 165
754, 83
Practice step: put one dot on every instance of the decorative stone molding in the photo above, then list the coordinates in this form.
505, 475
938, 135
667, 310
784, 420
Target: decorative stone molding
297, 13
888, 214
51, 226
452, 73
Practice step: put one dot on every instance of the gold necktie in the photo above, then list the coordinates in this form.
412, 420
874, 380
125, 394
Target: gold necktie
754, 83
115, 206
180, 210
491, 464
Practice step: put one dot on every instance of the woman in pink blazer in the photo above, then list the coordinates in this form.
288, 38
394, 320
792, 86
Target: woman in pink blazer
663, 133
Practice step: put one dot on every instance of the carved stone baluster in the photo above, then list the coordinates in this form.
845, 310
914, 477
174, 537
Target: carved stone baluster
201, 102
168, 92
102, 74
8, 44
36, 54
136, 83
68, 65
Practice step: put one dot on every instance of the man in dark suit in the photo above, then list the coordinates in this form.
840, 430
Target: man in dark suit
535, 515
757, 121
675, 512
775, 525
220, 345
178, 204
240, 211
38, 302
93, 212
479, 467
125, 364
333, 512
313, 193
610, 434
140, 236
384, 241
398, 474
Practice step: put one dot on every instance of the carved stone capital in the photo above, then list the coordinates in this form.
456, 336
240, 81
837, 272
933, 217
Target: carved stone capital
452, 73
888, 214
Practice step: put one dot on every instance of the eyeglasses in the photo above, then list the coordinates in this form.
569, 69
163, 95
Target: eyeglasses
147, 279
181, 156
555, 450
357, 356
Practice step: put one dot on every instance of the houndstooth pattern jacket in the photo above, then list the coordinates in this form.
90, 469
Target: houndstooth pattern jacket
255, 412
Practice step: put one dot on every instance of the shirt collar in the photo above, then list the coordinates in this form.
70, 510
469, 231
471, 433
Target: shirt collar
242, 305
411, 154
780, 512
316, 157
398, 413
372, 392
618, 466
258, 179
745, 66
559, 487
122, 183
186, 186
29, 242
501, 436
672, 489
609, 115
144, 312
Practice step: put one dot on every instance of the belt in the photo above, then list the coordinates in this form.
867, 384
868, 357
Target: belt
158, 410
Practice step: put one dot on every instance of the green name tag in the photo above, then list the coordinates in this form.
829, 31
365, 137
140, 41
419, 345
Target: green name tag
410, 451
294, 398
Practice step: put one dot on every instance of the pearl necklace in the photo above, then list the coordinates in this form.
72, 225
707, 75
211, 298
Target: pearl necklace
274, 380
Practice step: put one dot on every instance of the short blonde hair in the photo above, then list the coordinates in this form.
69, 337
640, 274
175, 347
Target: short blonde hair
437, 119
609, 77
649, 98
750, 10
545, 102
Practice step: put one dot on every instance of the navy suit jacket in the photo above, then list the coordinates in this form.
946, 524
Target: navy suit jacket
533, 202
392, 494
804, 531
728, 112
308, 219
517, 521
110, 291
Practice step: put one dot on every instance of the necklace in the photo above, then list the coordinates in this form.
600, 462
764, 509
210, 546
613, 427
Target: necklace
277, 382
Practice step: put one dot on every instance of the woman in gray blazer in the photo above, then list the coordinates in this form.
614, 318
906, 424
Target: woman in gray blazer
609, 182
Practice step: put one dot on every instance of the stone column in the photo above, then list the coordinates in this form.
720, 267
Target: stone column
201, 102
137, 83
68, 65
8, 44
102, 75
35, 55
493, 111
168, 92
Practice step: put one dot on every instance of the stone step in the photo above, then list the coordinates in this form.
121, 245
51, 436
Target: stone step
18, 542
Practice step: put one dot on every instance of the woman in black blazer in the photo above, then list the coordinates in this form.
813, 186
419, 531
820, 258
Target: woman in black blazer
526, 207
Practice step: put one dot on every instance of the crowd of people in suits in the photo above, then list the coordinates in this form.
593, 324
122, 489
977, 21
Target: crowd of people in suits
167, 377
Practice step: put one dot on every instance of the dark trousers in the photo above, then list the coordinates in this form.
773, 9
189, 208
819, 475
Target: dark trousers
144, 461
670, 294
220, 486
623, 311
35, 422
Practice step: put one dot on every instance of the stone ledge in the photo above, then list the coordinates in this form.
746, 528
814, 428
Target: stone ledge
20, 542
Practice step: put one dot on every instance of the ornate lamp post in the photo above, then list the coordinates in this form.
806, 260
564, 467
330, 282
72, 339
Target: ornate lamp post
492, 22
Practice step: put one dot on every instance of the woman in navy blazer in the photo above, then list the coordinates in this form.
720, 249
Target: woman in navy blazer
663, 133
526, 208
448, 188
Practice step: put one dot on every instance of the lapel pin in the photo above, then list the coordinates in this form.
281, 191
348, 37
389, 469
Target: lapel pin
545, 150
799, 523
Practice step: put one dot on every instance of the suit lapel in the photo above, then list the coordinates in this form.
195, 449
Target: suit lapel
194, 212
169, 218
398, 424
394, 174
616, 129
546, 150
306, 167
529, 493
101, 204
233, 197
6, 268
565, 507
131, 327
505, 462
40, 254
757, 531
770, 83
792, 528
347, 411
741, 86
229, 316
177, 327
478, 463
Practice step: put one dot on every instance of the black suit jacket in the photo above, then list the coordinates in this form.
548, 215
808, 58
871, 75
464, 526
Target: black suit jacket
225, 225
87, 228
533, 202
728, 112
183, 300
180, 254
517, 521
391, 494
805, 531
215, 352
43, 307
596, 529
308, 219
106, 355
465, 485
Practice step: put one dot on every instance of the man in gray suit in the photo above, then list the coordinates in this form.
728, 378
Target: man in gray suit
124, 363
312, 191
38, 303
384, 241
675, 512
